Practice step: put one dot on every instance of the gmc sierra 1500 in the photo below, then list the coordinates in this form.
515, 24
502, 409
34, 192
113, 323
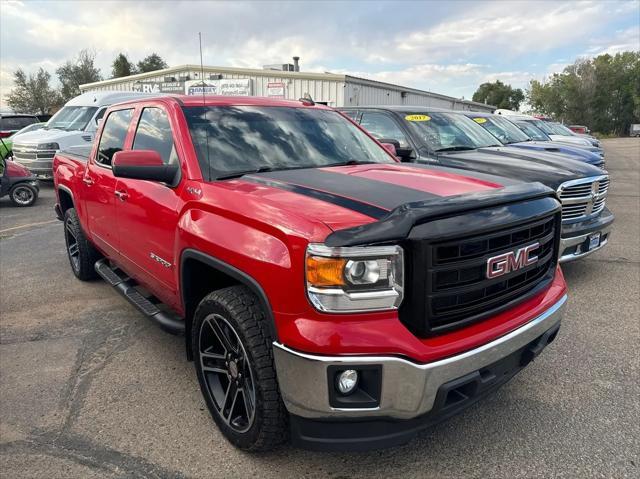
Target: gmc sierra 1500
326, 291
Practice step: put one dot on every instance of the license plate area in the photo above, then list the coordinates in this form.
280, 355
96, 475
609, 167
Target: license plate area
594, 241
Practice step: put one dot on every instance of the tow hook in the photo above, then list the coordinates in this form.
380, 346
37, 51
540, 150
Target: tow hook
537, 345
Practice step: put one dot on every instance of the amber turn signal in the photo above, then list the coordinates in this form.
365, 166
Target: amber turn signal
324, 272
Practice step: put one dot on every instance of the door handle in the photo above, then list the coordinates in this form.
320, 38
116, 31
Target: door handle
87, 181
122, 195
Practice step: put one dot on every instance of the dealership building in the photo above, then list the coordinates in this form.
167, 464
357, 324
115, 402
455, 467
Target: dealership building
281, 81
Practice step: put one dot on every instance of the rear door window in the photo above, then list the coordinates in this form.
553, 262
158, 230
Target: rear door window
113, 135
382, 126
154, 133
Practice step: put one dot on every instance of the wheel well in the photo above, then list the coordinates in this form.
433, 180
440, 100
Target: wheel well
201, 274
66, 201
198, 280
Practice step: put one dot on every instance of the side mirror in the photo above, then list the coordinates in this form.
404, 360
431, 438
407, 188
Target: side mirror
404, 154
391, 148
143, 165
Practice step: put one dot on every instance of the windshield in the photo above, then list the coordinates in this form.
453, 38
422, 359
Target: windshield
502, 129
534, 132
231, 141
71, 118
561, 129
441, 131
542, 125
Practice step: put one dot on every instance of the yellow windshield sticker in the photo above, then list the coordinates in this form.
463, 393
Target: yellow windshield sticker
480, 120
417, 118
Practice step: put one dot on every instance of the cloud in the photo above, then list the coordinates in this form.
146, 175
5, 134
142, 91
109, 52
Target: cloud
447, 47
504, 28
622, 41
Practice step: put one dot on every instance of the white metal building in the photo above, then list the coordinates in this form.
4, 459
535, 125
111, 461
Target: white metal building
332, 89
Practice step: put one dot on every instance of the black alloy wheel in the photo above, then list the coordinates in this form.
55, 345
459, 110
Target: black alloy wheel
227, 373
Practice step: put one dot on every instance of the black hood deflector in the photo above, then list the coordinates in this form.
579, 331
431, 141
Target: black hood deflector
397, 224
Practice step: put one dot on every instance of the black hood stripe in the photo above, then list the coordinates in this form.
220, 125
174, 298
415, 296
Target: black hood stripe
348, 203
477, 175
364, 190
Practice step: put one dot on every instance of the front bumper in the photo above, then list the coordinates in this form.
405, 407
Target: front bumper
411, 395
574, 243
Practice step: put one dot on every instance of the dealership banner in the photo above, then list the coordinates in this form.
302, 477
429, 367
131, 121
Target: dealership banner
275, 90
159, 87
226, 87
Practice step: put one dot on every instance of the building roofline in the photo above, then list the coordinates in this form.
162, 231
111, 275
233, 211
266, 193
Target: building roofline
282, 74
400, 88
214, 69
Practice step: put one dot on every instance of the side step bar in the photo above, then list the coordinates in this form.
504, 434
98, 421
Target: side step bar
126, 287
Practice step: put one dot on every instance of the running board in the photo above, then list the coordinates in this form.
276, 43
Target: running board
126, 287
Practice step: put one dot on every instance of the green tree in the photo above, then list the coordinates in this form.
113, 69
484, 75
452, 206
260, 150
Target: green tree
33, 93
78, 72
500, 95
151, 63
603, 93
122, 67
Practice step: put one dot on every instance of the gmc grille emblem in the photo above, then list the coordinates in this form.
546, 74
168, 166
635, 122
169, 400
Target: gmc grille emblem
511, 261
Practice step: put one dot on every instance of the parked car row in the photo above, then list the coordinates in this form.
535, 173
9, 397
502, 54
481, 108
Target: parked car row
340, 283
490, 144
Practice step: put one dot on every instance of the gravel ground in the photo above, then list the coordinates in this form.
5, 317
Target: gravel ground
89, 388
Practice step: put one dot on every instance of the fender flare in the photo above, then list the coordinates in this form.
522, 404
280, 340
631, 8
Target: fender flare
240, 276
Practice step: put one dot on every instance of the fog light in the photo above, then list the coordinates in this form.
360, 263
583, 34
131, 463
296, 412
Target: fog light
347, 381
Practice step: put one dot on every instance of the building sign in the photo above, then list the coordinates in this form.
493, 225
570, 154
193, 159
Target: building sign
226, 87
275, 90
159, 87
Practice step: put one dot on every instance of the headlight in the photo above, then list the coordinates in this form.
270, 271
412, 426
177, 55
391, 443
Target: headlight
363, 278
48, 146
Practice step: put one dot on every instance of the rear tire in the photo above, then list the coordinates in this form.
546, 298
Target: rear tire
233, 356
23, 195
82, 255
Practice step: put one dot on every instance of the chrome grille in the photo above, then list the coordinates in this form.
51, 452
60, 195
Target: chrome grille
33, 158
583, 198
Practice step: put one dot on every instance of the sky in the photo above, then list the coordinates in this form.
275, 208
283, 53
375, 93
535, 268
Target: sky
447, 47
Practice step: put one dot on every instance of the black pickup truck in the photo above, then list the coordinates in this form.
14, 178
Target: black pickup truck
448, 139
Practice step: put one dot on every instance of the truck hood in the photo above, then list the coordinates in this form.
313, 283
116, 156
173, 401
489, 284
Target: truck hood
576, 140
519, 163
47, 136
348, 196
570, 152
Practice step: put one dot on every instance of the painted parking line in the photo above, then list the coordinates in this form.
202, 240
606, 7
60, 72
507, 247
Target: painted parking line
28, 226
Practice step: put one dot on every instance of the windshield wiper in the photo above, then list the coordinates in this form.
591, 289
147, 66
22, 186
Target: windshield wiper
348, 163
456, 148
238, 174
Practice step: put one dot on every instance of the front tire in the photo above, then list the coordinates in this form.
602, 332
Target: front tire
23, 195
82, 255
232, 350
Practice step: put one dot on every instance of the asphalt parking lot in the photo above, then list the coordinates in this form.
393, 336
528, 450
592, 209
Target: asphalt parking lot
90, 388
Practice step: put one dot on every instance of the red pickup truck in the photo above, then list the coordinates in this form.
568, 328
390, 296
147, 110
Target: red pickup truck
327, 293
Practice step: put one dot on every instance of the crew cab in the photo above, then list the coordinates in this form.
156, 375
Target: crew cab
327, 292
509, 134
448, 139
